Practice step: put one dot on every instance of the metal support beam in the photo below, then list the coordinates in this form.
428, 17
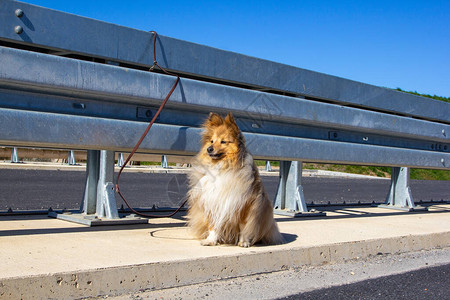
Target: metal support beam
71, 160
164, 163
99, 203
268, 166
120, 160
14, 155
290, 199
92, 175
399, 196
106, 200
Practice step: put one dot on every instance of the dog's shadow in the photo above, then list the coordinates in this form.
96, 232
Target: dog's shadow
179, 233
289, 238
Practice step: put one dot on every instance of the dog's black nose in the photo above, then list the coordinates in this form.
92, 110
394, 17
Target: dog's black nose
210, 149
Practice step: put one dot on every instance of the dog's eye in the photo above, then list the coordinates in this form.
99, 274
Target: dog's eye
223, 142
212, 141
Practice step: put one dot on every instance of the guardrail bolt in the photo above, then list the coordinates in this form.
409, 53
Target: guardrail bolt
19, 13
442, 160
443, 132
18, 29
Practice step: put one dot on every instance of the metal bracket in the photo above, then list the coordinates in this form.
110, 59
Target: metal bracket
290, 199
99, 202
399, 196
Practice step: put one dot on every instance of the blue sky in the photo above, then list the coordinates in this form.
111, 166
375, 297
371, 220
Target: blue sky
393, 44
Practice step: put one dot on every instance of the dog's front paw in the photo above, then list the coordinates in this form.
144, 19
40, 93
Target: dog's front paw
211, 240
208, 242
244, 244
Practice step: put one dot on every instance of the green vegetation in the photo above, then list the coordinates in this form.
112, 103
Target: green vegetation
435, 97
153, 163
423, 174
273, 163
363, 170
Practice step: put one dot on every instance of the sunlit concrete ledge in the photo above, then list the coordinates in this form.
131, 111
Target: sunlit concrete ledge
49, 258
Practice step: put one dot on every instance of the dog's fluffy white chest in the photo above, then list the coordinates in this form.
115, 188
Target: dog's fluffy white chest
223, 194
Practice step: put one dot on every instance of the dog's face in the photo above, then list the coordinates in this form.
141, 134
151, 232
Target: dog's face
222, 139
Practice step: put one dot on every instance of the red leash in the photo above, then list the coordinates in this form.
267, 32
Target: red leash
155, 64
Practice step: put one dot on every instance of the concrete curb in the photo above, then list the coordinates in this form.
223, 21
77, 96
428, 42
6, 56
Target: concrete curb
128, 279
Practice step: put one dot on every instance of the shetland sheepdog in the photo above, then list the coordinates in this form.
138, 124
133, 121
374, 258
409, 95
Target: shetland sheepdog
227, 201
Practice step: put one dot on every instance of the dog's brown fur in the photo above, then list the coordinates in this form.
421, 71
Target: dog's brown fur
227, 200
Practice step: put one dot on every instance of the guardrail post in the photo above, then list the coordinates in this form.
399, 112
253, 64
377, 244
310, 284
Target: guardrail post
164, 163
72, 161
92, 174
106, 199
290, 199
120, 160
14, 156
268, 166
399, 196
99, 202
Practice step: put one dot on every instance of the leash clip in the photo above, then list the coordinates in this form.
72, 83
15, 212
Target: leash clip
155, 64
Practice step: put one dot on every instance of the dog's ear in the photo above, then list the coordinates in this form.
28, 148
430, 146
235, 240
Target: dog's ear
214, 119
230, 119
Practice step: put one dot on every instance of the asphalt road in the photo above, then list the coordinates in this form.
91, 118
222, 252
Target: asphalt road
426, 283
38, 190
412, 275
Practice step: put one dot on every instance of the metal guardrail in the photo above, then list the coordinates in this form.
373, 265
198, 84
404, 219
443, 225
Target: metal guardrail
90, 39
91, 92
